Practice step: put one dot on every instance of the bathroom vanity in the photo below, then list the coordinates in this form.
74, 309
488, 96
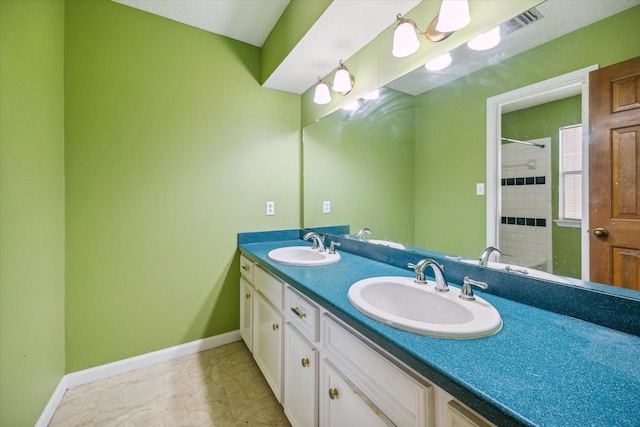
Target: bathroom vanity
330, 365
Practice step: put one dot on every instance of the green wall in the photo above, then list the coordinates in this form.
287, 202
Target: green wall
451, 128
362, 162
32, 357
540, 122
295, 22
172, 148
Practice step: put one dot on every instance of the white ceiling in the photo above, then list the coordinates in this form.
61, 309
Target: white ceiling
348, 25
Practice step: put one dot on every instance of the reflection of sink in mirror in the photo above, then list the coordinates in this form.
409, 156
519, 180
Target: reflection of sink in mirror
303, 256
529, 272
386, 243
403, 304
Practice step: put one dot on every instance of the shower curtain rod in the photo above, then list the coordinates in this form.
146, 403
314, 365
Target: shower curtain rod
517, 141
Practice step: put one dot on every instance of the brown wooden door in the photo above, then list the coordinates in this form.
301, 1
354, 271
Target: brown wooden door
614, 174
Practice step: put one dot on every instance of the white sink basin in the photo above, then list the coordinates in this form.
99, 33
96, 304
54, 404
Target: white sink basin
302, 255
527, 272
386, 243
403, 304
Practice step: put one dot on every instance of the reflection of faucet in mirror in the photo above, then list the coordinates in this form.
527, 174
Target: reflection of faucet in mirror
360, 234
484, 257
316, 239
441, 280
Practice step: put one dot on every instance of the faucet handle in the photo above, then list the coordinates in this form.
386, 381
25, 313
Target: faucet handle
467, 291
419, 270
332, 249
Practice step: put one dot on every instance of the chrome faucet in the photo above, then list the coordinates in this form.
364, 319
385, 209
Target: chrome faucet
484, 257
438, 272
317, 240
466, 293
360, 234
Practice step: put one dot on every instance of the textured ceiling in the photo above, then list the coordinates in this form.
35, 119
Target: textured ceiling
249, 21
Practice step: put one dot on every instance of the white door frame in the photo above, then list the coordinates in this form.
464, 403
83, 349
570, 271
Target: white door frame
566, 85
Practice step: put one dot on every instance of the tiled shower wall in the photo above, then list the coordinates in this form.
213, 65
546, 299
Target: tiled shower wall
525, 229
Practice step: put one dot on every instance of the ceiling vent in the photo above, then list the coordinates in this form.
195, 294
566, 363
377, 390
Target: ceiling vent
524, 19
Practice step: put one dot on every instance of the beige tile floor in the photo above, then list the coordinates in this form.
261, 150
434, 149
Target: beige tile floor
218, 387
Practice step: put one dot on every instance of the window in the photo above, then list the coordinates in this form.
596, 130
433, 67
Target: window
570, 206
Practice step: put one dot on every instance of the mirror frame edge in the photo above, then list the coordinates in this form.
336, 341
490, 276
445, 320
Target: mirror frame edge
495, 105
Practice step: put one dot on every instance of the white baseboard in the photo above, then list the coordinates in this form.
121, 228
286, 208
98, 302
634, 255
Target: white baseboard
53, 403
101, 372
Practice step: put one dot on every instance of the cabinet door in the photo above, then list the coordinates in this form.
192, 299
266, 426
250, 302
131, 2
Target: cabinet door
267, 342
300, 379
246, 312
342, 404
458, 416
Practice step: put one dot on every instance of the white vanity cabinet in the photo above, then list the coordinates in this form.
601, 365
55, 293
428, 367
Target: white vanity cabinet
268, 328
246, 312
300, 379
246, 301
326, 374
343, 404
301, 359
402, 398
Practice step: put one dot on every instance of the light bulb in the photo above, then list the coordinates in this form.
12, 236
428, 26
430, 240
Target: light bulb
322, 95
342, 81
439, 63
454, 14
486, 41
405, 40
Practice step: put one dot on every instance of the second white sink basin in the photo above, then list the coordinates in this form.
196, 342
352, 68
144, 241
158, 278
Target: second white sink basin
303, 256
403, 304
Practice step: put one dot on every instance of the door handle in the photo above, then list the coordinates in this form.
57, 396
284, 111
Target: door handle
600, 232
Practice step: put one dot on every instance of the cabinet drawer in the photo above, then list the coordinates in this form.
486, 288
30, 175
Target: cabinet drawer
269, 286
246, 268
404, 400
302, 313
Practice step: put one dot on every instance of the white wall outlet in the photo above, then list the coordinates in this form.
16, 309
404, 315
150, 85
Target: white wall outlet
480, 189
326, 206
271, 208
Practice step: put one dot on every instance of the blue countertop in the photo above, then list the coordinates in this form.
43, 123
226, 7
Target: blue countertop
542, 368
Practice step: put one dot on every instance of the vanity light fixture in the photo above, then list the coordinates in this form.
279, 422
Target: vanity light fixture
343, 82
486, 41
322, 95
405, 40
454, 14
439, 63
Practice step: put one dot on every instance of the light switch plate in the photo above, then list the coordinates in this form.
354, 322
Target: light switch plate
326, 206
480, 189
271, 208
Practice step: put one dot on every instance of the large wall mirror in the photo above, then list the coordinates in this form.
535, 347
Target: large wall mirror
407, 165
